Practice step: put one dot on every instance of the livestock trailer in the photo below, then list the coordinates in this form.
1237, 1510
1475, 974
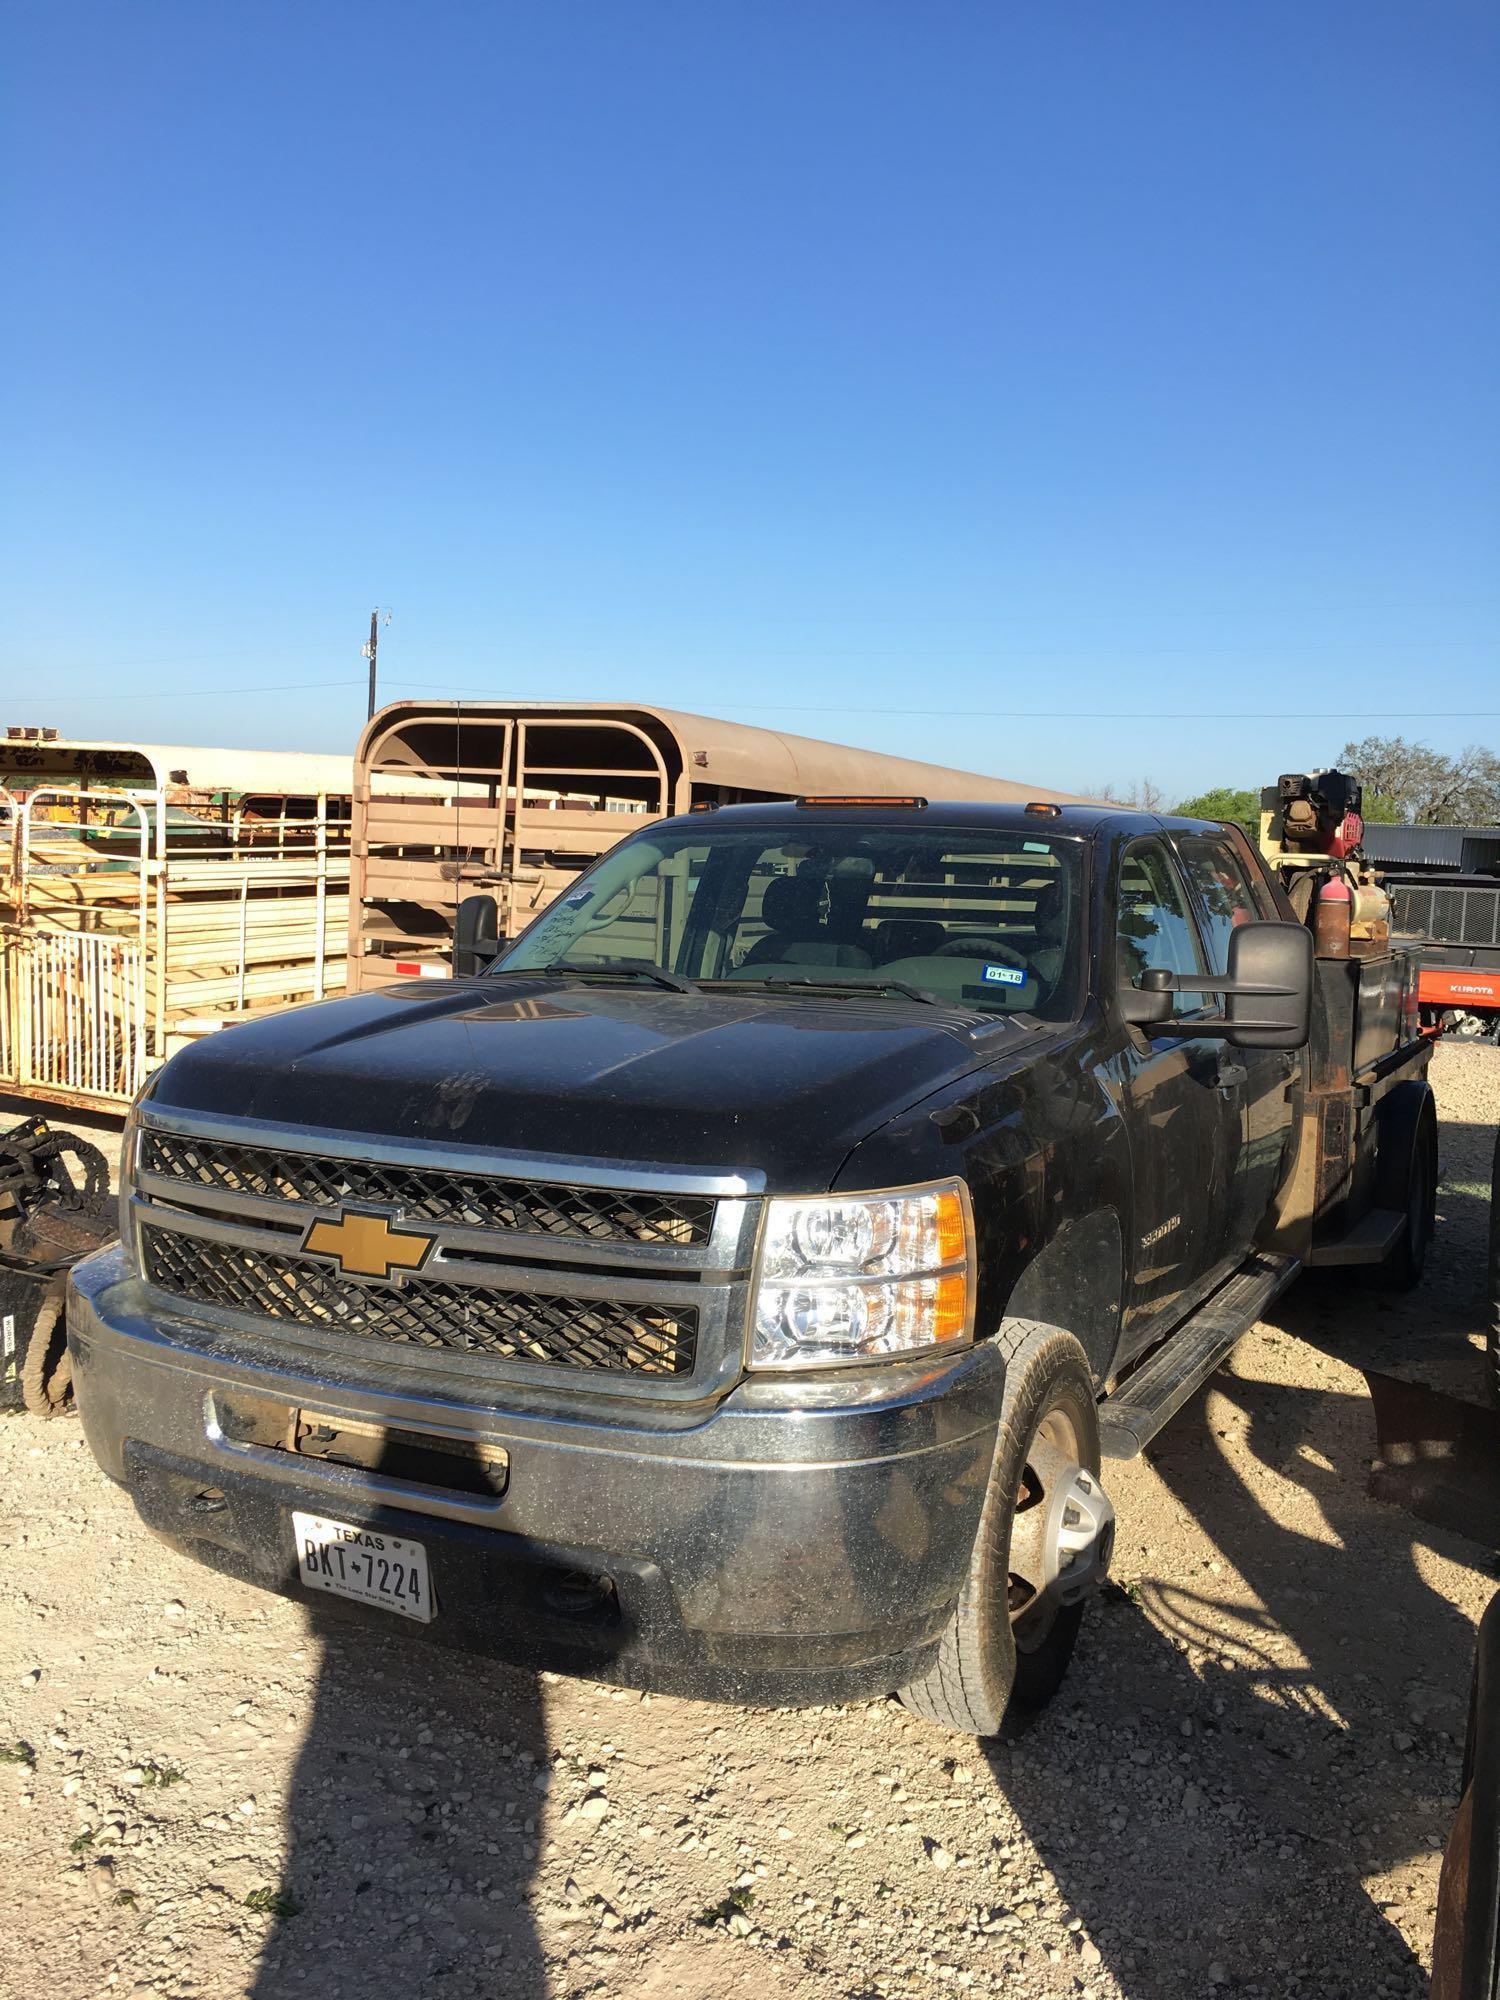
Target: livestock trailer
515, 798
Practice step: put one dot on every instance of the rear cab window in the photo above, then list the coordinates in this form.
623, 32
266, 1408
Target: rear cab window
1224, 890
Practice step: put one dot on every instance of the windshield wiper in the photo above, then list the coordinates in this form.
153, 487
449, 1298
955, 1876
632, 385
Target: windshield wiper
853, 986
619, 968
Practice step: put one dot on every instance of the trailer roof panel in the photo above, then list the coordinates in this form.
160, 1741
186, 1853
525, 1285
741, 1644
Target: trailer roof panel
737, 756
76, 760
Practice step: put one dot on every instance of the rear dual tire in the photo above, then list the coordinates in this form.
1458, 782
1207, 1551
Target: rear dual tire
1406, 1176
1045, 1537
1492, 1335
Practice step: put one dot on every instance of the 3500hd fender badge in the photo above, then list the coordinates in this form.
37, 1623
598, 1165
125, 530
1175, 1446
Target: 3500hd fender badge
1162, 1229
366, 1244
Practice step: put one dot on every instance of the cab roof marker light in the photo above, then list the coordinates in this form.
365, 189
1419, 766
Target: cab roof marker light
1044, 809
819, 800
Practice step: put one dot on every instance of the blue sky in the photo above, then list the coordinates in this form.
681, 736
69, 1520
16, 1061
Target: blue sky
1072, 392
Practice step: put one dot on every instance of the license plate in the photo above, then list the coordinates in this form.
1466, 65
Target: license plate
366, 1564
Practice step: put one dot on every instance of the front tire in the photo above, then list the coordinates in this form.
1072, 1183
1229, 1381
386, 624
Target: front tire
1045, 1538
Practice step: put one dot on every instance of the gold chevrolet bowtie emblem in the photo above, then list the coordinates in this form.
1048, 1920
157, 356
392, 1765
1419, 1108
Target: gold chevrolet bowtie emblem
368, 1246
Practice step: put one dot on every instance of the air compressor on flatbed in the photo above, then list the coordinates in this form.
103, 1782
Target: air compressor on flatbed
737, 1283
1366, 1025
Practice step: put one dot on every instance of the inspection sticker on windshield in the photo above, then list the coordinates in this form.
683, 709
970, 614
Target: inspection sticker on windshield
366, 1564
1004, 975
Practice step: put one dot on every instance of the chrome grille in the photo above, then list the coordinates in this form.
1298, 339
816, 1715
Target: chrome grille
466, 1200
509, 1325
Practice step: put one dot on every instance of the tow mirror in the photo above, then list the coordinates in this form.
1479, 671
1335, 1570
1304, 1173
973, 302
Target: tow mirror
1267, 989
1149, 1005
476, 935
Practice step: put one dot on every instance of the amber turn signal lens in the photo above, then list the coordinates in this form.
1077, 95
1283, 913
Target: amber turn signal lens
950, 1313
952, 1246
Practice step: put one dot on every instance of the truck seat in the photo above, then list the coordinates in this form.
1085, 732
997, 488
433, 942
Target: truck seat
1047, 954
792, 906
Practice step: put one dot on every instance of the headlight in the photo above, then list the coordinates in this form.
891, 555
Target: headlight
861, 1277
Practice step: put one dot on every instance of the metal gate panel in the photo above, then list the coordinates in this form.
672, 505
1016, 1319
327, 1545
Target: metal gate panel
73, 1015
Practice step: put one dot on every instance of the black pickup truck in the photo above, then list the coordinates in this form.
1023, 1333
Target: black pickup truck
735, 1285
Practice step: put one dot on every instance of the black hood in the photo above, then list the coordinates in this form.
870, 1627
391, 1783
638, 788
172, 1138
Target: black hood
726, 1081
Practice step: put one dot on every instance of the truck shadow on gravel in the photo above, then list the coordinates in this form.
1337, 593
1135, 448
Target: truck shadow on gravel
1435, 1331
415, 1808
410, 1860
1232, 1772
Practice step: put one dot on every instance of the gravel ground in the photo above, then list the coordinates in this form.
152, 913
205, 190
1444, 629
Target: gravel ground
1242, 1789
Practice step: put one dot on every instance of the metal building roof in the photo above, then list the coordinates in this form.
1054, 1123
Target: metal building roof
1465, 850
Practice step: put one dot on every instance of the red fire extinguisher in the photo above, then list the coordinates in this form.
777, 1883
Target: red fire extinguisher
1332, 914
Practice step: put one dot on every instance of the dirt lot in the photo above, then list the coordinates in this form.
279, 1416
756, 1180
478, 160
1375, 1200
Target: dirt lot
1243, 1787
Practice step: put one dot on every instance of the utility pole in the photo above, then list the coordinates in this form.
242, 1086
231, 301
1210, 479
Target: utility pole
370, 652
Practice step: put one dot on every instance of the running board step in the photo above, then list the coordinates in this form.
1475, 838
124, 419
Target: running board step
1370, 1241
1152, 1396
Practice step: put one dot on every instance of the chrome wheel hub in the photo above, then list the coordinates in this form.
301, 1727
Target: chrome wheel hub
1062, 1535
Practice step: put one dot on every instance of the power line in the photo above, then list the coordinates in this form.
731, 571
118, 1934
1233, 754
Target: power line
1215, 714
177, 694
1075, 714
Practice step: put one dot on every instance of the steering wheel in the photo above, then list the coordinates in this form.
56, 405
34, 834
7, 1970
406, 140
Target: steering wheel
982, 944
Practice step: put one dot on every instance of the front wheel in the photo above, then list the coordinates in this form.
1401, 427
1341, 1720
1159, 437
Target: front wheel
1046, 1534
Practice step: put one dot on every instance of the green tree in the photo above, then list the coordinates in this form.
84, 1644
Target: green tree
1380, 809
1225, 802
1409, 781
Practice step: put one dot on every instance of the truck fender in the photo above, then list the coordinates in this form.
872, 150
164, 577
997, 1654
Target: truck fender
1076, 1281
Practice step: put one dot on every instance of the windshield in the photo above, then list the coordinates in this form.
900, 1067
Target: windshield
984, 920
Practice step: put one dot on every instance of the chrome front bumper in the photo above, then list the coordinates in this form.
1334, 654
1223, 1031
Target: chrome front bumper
793, 1541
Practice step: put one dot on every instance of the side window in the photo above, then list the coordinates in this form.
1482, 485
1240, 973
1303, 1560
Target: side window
1225, 895
1154, 923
